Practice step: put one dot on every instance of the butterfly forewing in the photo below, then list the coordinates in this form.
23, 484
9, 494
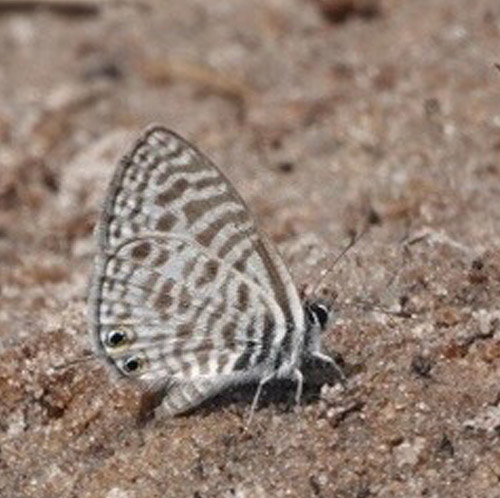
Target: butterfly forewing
186, 291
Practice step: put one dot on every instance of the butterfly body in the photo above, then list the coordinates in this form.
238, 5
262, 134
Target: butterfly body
187, 295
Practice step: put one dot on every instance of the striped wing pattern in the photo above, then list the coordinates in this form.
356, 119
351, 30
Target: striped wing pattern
187, 295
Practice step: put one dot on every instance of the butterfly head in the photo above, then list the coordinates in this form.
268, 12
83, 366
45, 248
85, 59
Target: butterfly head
318, 308
318, 313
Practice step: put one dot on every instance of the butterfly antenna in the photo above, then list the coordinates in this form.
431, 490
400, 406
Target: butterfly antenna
368, 306
354, 240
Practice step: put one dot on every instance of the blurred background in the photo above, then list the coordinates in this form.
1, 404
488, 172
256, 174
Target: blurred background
327, 115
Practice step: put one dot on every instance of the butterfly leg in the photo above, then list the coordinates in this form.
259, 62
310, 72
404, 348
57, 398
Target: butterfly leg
255, 401
299, 379
331, 362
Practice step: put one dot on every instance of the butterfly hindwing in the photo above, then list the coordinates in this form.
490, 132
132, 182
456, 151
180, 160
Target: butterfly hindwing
183, 314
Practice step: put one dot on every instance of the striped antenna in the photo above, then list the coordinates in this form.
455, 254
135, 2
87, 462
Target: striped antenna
354, 240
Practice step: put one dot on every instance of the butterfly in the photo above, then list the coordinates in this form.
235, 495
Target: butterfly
187, 296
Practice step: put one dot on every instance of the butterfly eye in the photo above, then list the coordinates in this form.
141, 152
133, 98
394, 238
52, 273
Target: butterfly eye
131, 364
116, 338
321, 312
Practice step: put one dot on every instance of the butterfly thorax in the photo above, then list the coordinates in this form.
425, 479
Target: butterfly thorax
302, 341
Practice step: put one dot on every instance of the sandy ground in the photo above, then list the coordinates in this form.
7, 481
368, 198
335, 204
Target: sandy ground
326, 116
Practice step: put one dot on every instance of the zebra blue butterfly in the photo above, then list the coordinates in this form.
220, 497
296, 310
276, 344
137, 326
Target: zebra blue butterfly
187, 296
